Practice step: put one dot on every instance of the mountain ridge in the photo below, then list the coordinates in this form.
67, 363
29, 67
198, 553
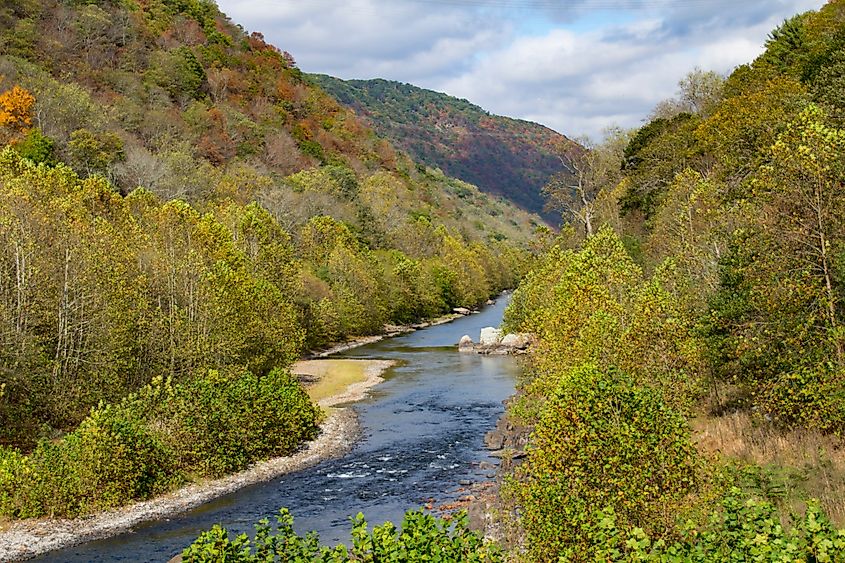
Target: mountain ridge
504, 156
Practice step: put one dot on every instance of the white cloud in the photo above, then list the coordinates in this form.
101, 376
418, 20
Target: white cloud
579, 68
399, 40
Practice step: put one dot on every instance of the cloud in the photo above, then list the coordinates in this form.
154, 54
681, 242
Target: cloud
578, 66
400, 40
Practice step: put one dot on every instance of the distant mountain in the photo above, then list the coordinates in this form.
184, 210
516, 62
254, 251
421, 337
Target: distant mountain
508, 157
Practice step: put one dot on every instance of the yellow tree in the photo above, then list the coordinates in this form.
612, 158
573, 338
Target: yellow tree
805, 202
16, 110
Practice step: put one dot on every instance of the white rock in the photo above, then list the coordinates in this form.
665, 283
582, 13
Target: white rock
490, 336
465, 343
461, 311
519, 341
510, 340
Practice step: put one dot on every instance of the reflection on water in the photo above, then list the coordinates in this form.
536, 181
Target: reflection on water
423, 432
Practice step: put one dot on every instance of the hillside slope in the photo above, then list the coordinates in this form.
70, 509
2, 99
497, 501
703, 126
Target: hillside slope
506, 157
178, 198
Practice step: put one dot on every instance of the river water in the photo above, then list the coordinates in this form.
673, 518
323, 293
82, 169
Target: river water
423, 431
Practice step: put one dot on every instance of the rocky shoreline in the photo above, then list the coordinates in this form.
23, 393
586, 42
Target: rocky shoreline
489, 512
389, 332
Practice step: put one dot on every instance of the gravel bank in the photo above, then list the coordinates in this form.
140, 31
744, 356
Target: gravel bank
390, 331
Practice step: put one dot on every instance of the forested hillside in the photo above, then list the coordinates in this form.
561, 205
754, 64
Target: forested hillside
505, 157
687, 398
182, 214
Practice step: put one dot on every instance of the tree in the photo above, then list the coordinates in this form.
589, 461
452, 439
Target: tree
805, 206
588, 168
16, 110
785, 46
698, 92
690, 227
601, 440
95, 153
91, 28
36, 146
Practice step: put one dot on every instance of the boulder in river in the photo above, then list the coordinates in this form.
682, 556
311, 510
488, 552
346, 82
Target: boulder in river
492, 342
461, 311
465, 344
518, 341
490, 336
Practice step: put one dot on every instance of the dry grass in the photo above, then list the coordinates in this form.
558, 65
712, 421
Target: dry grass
794, 465
325, 380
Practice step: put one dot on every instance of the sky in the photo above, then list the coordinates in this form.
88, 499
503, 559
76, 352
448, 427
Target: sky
577, 66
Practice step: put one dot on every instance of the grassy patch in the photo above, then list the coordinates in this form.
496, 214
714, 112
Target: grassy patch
327, 378
785, 467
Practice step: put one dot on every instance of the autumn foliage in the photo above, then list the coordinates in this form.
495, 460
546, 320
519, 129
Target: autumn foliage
701, 281
16, 105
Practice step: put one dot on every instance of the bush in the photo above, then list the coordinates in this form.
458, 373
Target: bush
110, 460
423, 538
119, 459
601, 441
14, 468
806, 397
36, 147
743, 530
153, 440
223, 422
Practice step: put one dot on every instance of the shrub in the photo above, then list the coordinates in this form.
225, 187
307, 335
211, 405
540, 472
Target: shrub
423, 537
601, 441
806, 397
222, 422
14, 470
36, 147
119, 459
152, 440
742, 530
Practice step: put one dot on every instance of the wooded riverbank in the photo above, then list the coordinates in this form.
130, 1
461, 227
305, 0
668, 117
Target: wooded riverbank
28, 538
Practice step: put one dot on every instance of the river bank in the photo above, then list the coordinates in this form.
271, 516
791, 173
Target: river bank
25, 539
421, 440
21, 540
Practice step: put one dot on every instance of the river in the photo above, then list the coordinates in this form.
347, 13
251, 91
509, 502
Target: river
423, 431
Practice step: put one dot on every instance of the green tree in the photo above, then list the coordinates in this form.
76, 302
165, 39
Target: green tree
37, 147
95, 153
601, 440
